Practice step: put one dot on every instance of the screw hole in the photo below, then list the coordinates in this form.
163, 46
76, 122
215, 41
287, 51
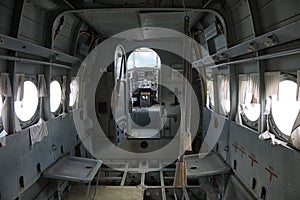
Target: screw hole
144, 144
253, 183
88, 167
194, 167
21, 181
263, 193
234, 164
38, 168
62, 149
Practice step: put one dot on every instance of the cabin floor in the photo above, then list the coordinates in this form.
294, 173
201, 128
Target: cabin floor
78, 192
154, 185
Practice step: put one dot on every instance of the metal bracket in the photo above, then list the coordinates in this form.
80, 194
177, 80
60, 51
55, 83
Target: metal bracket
274, 38
10, 43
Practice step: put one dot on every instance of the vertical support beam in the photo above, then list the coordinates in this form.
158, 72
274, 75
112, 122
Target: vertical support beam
11, 66
215, 73
50, 17
162, 183
69, 77
46, 105
17, 15
262, 96
260, 64
234, 88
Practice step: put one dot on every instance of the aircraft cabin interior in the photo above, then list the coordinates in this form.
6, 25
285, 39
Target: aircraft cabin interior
149, 99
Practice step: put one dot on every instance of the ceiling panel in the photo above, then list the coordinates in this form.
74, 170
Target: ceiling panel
111, 22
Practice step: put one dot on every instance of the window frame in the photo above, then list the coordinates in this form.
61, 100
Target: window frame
74, 106
35, 117
2, 98
272, 125
249, 123
58, 111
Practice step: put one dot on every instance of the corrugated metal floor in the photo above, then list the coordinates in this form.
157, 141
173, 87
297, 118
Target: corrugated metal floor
78, 192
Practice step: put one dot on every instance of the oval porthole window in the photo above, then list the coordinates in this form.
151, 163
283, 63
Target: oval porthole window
1, 105
73, 93
26, 108
55, 96
252, 111
285, 108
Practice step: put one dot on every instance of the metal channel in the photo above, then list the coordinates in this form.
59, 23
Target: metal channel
10, 43
25, 60
258, 58
283, 35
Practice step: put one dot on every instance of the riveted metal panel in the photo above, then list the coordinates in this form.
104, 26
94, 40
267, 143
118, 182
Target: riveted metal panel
14, 44
276, 12
8, 3
63, 40
34, 13
211, 31
247, 68
231, 3
21, 158
28, 68
221, 146
239, 11
5, 19
220, 43
262, 3
243, 30
32, 23
31, 31
287, 63
281, 160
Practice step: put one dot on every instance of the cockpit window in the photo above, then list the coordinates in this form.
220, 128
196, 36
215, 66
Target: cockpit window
27, 106
55, 96
143, 57
285, 108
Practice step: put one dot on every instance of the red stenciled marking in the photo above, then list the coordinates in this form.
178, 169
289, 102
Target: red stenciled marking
243, 152
271, 173
235, 147
253, 160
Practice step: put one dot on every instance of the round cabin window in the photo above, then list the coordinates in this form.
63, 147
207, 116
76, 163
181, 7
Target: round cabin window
285, 108
26, 108
73, 93
1, 105
252, 112
55, 96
